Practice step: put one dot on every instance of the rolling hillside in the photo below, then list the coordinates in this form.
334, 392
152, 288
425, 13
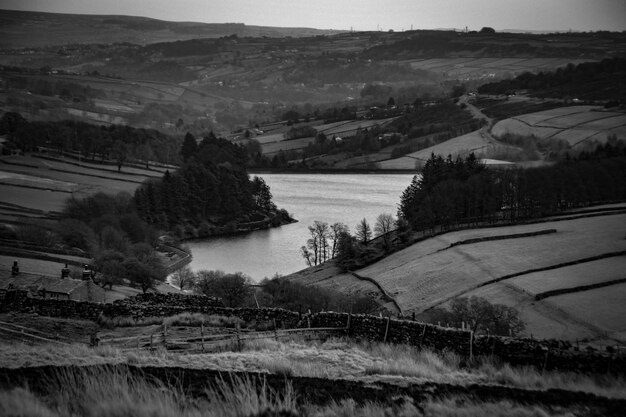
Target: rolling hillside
577, 125
586, 256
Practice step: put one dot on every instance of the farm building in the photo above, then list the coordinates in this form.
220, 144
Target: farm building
40, 286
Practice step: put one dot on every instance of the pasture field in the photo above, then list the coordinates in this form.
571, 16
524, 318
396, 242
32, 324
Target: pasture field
587, 273
429, 273
602, 307
31, 266
41, 184
542, 318
472, 68
33, 198
477, 142
286, 145
576, 125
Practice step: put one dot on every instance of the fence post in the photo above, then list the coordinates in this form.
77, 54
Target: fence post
238, 337
275, 333
387, 329
137, 343
202, 336
151, 334
348, 326
545, 362
165, 335
471, 355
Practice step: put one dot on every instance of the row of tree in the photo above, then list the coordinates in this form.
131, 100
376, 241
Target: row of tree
336, 242
450, 192
588, 80
115, 142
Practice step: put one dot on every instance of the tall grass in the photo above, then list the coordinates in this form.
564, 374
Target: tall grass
116, 392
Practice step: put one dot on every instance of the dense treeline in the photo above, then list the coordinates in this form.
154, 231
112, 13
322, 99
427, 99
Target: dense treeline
454, 192
210, 194
119, 143
121, 244
604, 80
445, 116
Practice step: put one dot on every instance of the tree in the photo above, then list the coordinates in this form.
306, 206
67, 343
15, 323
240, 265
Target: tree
391, 102
189, 147
487, 29
109, 264
384, 225
184, 278
120, 153
317, 250
144, 273
482, 316
363, 232
336, 230
235, 289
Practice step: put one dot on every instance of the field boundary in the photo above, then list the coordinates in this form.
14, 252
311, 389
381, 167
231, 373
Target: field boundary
385, 294
580, 288
37, 255
526, 272
78, 164
499, 237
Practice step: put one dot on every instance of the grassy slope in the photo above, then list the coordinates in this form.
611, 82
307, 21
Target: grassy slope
427, 274
16, 181
572, 124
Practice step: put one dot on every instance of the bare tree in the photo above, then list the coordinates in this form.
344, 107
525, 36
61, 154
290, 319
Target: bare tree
336, 229
384, 224
184, 278
363, 231
317, 249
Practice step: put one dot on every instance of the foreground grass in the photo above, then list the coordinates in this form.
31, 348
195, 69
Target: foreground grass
334, 359
117, 393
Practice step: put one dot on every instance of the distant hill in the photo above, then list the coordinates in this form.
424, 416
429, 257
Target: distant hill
21, 29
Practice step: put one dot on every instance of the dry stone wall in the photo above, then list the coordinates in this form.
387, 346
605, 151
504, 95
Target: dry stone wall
541, 354
144, 305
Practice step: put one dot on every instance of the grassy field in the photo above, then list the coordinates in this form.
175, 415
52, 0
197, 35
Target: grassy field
478, 142
427, 274
479, 68
45, 184
576, 125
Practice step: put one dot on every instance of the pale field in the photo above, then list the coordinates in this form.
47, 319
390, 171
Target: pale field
573, 124
476, 141
32, 266
543, 320
572, 276
33, 198
265, 139
577, 135
286, 145
481, 67
422, 279
17, 179
603, 307
82, 184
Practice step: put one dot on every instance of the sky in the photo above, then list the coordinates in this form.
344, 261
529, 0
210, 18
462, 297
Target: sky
541, 15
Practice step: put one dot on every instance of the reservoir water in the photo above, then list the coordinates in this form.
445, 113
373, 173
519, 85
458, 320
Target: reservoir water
331, 198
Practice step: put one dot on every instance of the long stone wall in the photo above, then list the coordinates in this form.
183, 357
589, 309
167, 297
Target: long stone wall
142, 306
541, 354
